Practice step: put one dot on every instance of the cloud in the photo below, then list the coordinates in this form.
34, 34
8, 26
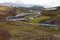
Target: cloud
3, 1
47, 3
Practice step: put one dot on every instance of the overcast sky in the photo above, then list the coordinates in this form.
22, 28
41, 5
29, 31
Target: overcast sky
48, 3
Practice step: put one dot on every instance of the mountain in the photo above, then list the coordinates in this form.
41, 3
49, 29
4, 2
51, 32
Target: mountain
37, 7
21, 5
16, 5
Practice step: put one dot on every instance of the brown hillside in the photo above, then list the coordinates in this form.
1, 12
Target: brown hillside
6, 11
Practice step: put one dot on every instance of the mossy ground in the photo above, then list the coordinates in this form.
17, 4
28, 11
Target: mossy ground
21, 31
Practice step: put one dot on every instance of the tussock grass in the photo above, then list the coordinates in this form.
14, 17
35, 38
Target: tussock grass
21, 31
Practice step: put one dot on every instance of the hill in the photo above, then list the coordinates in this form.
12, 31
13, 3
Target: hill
19, 30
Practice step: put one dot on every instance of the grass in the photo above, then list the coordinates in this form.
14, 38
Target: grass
39, 19
35, 21
22, 30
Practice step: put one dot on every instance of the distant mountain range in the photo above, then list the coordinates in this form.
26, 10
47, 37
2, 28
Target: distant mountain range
15, 5
22, 5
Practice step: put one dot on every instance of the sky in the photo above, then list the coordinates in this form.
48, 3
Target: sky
46, 3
